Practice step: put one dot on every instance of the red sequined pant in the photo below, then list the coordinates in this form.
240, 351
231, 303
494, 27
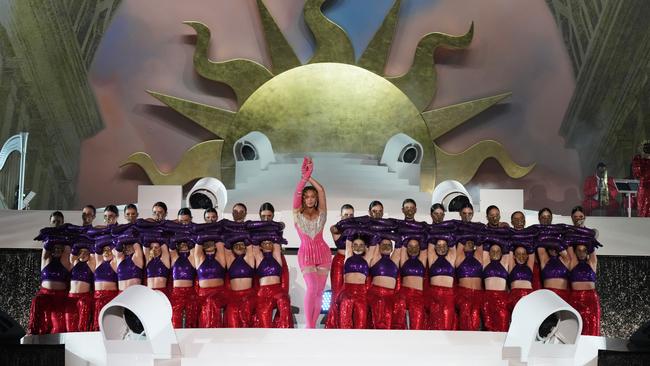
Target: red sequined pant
212, 300
411, 300
381, 301
564, 294
441, 308
47, 312
102, 297
588, 305
496, 317
271, 297
353, 306
184, 300
468, 305
336, 281
79, 312
515, 295
239, 310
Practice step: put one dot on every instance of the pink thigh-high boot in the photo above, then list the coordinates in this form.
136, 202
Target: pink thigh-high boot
313, 296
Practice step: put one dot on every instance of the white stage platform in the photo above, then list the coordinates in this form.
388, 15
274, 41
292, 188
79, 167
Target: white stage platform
329, 347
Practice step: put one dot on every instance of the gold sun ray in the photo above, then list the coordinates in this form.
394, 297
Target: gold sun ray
243, 76
442, 120
376, 54
332, 43
419, 83
194, 164
463, 166
215, 120
282, 55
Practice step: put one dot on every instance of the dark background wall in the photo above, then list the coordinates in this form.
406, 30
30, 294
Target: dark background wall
622, 285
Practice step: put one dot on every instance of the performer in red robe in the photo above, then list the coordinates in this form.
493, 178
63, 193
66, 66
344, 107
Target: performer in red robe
641, 171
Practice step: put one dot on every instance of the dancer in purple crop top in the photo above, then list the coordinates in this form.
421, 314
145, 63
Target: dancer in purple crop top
130, 258
521, 266
410, 297
240, 262
183, 297
270, 295
441, 255
351, 303
469, 271
47, 312
314, 256
210, 258
583, 265
105, 274
554, 262
496, 256
78, 315
156, 253
384, 268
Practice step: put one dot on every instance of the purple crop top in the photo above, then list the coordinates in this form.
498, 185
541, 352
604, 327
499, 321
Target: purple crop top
521, 272
441, 267
240, 269
582, 272
210, 269
384, 267
127, 270
156, 268
105, 273
495, 269
412, 267
554, 268
81, 272
182, 268
269, 266
340, 243
55, 271
470, 267
356, 264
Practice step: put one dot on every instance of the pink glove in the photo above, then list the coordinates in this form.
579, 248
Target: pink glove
307, 168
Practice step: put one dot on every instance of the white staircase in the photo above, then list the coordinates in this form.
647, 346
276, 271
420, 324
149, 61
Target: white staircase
347, 178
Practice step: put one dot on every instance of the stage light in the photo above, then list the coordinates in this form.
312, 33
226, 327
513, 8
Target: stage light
403, 155
451, 194
136, 324
208, 193
325, 304
544, 328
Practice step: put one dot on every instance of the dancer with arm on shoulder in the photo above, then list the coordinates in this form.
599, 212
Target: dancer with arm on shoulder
384, 268
469, 271
210, 259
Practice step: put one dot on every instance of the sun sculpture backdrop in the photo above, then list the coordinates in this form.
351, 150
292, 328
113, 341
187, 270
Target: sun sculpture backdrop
331, 104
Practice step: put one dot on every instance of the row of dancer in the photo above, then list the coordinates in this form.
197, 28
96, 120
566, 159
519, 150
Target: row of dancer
216, 274
475, 273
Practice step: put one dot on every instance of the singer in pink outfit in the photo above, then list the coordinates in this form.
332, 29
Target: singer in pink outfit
314, 255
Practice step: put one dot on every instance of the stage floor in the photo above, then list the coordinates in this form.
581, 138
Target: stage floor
322, 347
